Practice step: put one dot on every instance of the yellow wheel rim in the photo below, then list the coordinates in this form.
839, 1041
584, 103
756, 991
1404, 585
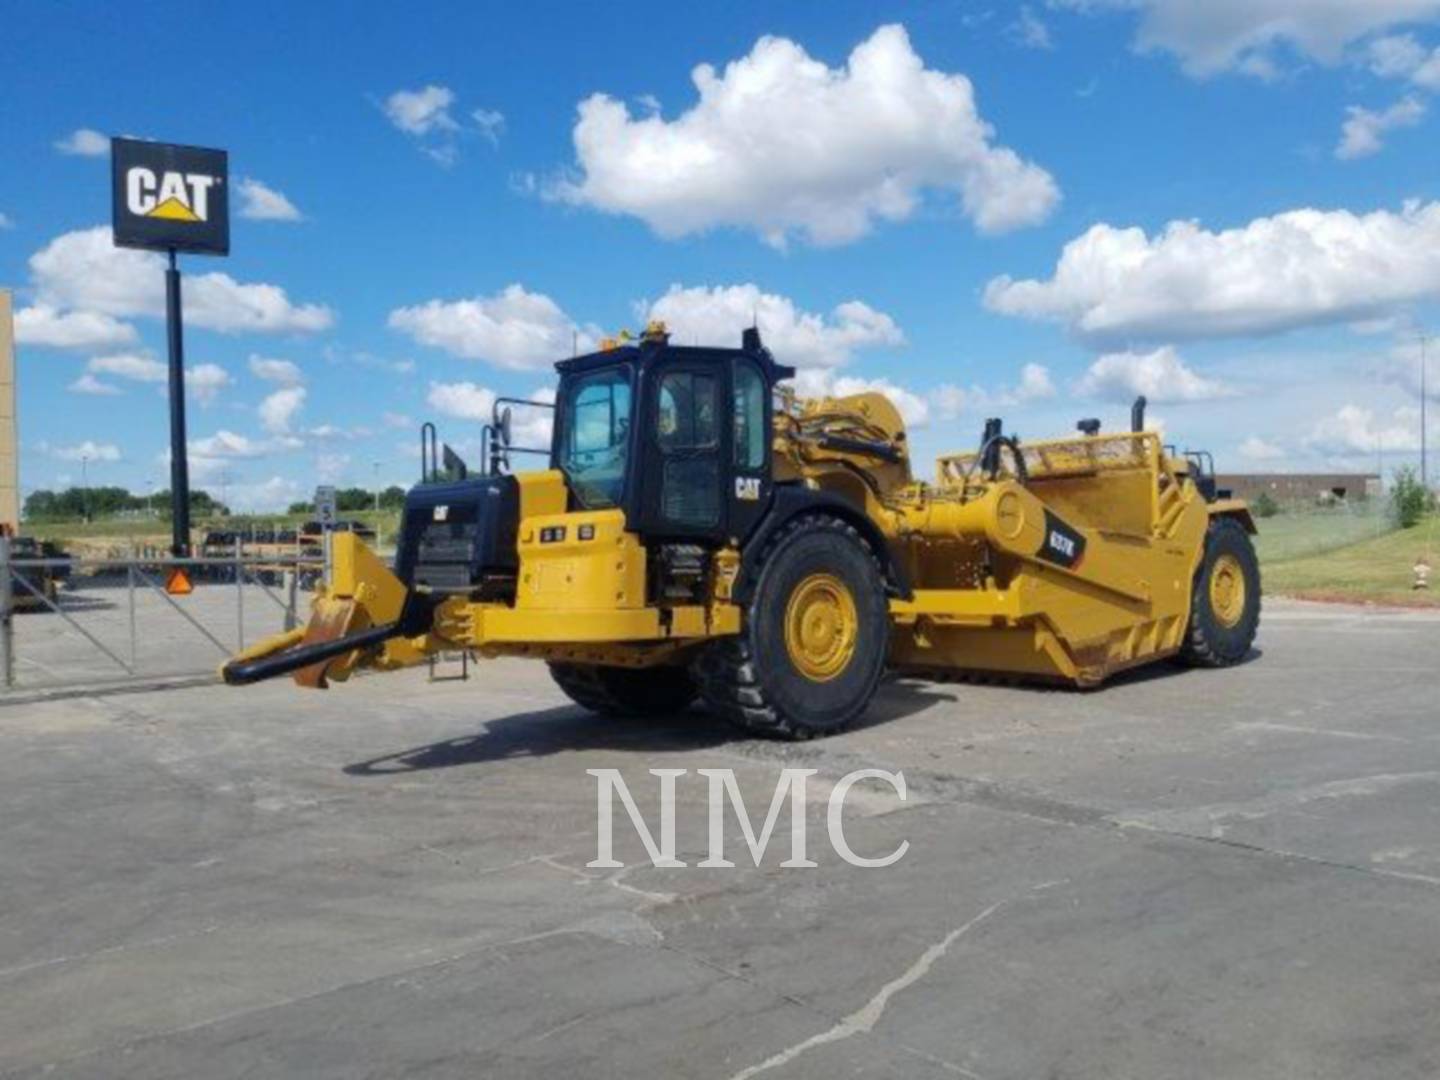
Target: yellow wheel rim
821, 627
1227, 590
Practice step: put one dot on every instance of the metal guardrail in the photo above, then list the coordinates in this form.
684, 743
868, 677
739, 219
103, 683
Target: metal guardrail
222, 585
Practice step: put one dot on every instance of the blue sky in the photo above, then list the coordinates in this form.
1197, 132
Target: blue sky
983, 208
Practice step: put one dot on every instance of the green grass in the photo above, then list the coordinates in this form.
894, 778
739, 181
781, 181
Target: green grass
1376, 569
1313, 531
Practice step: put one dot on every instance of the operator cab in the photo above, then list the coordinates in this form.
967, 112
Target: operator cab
677, 437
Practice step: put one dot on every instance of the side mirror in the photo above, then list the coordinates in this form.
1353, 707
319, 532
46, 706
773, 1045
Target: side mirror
505, 426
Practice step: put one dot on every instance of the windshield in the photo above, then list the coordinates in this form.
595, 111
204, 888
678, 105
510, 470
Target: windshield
595, 420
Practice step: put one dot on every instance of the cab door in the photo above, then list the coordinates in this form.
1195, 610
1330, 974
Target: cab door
686, 452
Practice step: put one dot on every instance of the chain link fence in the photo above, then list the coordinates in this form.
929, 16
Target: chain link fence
1297, 530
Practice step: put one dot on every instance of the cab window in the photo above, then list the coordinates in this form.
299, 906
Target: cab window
749, 416
595, 418
686, 417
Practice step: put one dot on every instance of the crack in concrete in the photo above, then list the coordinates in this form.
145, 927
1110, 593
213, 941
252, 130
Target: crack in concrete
863, 1020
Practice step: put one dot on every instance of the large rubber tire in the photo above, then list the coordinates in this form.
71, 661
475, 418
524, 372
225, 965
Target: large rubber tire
1219, 637
753, 680
616, 691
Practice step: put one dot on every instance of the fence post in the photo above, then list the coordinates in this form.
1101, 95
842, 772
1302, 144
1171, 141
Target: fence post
239, 597
7, 611
130, 601
292, 585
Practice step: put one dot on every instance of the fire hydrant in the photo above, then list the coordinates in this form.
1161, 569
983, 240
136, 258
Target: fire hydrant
1422, 573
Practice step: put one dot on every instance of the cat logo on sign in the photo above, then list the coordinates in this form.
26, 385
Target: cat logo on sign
168, 197
172, 195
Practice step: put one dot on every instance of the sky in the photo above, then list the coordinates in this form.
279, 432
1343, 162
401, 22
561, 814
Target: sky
1033, 211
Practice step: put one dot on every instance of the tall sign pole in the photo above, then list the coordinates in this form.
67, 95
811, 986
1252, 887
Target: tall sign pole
171, 199
179, 458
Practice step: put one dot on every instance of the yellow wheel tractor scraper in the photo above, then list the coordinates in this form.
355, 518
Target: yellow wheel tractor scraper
702, 532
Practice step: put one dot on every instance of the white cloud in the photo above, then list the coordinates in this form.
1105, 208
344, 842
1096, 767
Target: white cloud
1030, 31
420, 112
42, 325
1035, 385
6, 222
462, 400
84, 142
823, 382
129, 366
330, 466
270, 495
950, 400
490, 123
718, 315
396, 420
1251, 36
227, 444
262, 203
1355, 431
87, 451
84, 271
284, 372
279, 409
1257, 449
512, 329
532, 427
780, 143
334, 433
205, 381
89, 384
1301, 268
1400, 56
1160, 375
1363, 131
425, 115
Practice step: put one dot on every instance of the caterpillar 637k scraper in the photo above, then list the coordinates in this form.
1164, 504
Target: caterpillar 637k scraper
702, 532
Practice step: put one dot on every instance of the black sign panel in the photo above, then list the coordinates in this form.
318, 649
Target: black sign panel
168, 196
1062, 545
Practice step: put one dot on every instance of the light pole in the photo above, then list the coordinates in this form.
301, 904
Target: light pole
85, 487
1424, 464
377, 489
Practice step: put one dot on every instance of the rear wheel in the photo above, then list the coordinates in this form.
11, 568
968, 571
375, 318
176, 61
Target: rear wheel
1225, 603
815, 637
616, 691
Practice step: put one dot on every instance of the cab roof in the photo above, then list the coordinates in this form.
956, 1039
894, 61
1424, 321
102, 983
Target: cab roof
652, 350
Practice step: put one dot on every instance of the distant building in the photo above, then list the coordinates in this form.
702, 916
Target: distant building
1303, 487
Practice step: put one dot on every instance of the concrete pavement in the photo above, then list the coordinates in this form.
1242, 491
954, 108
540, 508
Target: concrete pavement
1187, 874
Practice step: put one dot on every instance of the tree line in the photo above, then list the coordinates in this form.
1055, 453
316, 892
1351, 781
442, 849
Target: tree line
348, 500
87, 503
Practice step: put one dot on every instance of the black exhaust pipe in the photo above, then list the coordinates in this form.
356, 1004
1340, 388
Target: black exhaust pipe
245, 672
1137, 415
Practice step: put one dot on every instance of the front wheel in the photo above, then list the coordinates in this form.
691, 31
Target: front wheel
1225, 603
812, 650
